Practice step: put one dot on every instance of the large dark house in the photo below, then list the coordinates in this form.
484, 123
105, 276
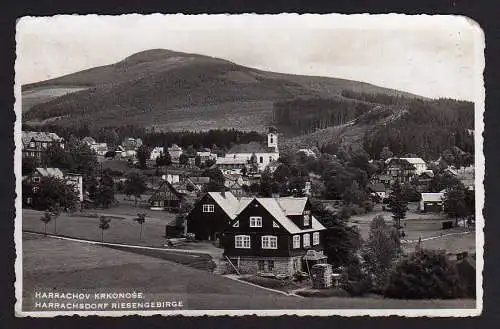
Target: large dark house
273, 235
212, 214
36, 143
166, 197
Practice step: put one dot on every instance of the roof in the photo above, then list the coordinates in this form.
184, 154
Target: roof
175, 147
230, 160
432, 197
27, 136
377, 187
292, 206
200, 180
89, 140
252, 147
414, 160
278, 211
229, 203
50, 172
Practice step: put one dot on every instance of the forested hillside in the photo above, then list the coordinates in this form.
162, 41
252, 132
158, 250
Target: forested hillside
372, 121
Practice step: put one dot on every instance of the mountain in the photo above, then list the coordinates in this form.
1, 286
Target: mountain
175, 91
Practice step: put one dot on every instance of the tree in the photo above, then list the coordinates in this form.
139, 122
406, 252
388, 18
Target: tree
354, 194
55, 211
380, 251
46, 218
197, 161
164, 159
425, 274
52, 193
135, 185
183, 159
397, 204
141, 218
56, 157
455, 205
104, 225
29, 165
105, 194
143, 154
216, 183
341, 242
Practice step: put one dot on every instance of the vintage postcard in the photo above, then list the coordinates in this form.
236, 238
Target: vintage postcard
249, 164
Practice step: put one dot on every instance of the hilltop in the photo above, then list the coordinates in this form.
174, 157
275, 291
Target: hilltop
175, 91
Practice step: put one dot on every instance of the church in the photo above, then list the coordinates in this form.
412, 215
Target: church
263, 153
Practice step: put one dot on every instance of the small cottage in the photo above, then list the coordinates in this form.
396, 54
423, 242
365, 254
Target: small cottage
431, 202
166, 197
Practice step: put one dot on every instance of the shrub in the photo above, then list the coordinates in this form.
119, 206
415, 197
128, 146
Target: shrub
357, 288
425, 274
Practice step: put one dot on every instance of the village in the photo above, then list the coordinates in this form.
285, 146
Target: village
299, 222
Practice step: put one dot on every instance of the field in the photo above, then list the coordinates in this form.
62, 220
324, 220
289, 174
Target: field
43, 95
57, 265
122, 227
425, 226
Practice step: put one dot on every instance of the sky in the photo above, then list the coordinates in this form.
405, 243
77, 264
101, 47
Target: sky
433, 56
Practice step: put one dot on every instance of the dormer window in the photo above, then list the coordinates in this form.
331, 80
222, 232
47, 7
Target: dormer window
275, 224
236, 224
32, 144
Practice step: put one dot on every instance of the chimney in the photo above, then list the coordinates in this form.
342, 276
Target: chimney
223, 193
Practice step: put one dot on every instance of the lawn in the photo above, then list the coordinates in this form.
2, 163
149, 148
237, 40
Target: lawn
426, 226
59, 265
124, 231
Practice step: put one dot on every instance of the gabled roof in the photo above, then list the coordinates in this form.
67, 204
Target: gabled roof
279, 212
252, 147
292, 206
38, 136
230, 161
228, 202
414, 160
432, 197
169, 186
50, 172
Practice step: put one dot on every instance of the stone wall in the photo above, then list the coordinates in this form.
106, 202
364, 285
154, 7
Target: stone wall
281, 265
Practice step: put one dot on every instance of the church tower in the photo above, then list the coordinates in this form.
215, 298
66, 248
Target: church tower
272, 139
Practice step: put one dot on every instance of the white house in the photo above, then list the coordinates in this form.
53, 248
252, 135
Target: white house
75, 180
156, 153
175, 152
263, 154
418, 163
206, 154
307, 152
99, 148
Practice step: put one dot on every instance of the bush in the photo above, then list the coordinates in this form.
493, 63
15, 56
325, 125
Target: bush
425, 274
357, 288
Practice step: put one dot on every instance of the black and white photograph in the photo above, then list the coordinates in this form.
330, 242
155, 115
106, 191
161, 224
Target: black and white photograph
249, 164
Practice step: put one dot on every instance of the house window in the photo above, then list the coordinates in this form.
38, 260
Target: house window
242, 241
29, 200
35, 189
269, 242
307, 220
237, 224
270, 265
260, 265
275, 224
156, 203
32, 144
272, 139
44, 145
255, 221
208, 208
36, 179
261, 159
306, 240
315, 238
296, 241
